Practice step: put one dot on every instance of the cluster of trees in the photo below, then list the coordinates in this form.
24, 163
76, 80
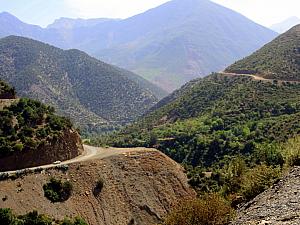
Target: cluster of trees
57, 190
6, 92
27, 124
7, 217
229, 128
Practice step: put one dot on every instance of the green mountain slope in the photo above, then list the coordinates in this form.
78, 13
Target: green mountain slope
279, 59
89, 91
224, 123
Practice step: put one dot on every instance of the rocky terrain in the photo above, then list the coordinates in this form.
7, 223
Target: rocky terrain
139, 188
278, 205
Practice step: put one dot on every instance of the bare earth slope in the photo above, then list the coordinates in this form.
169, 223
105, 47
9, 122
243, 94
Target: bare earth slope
278, 205
140, 187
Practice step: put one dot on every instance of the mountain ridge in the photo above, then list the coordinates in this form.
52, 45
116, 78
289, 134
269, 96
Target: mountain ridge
168, 45
55, 76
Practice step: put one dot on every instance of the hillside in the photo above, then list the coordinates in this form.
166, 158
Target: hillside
90, 92
278, 205
221, 122
280, 59
138, 188
168, 45
31, 134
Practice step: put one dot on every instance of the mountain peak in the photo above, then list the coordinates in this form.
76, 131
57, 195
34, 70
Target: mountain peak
7, 15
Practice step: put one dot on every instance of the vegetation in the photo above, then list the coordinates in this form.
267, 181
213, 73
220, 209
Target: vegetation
230, 127
279, 59
6, 92
26, 124
34, 218
57, 190
96, 96
99, 186
208, 210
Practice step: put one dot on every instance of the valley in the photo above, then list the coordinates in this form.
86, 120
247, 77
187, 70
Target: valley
108, 121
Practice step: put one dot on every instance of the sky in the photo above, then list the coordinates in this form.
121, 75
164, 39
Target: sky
44, 12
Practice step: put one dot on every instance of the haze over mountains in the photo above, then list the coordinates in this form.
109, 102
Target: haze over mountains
286, 24
168, 45
89, 91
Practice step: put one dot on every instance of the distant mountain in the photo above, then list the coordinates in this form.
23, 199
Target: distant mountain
279, 59
168, 45
67, 23
90, 92
285, 25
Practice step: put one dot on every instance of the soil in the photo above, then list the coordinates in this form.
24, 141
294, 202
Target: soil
140, 187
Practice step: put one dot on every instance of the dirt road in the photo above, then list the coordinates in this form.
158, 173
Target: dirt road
91, 153
256, 77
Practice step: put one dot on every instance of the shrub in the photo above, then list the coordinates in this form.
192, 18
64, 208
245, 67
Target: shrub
258, 179
58, 191
291, 152
98, 187
6, 216
34, 218
209, 210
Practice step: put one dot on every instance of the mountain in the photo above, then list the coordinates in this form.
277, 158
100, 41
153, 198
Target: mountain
182, 40
168, 45
67, 23
285, 25
280, 59
90, 92
233, 124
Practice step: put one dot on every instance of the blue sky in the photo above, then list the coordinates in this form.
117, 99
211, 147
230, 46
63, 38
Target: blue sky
44, 12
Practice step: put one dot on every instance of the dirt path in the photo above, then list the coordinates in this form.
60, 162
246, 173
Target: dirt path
256, 77
91, 153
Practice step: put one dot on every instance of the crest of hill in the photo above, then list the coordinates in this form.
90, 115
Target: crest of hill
280, 59
77, 85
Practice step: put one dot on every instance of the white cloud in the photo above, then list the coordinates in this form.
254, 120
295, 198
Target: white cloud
110, 8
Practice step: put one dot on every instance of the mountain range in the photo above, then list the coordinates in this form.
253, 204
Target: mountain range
168, 45
90, 92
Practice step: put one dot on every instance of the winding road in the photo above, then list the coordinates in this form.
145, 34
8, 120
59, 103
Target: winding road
89, 153
257, 77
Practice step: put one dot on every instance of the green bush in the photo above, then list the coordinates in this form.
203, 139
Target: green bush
57, 190
291, 152
209, 210
34, 218
258, 179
